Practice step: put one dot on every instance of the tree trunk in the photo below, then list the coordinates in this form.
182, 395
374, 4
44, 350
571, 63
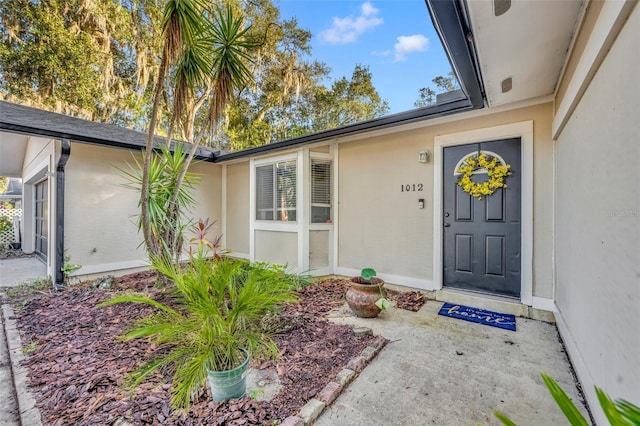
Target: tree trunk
152, 246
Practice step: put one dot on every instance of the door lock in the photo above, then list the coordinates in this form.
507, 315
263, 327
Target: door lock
446, 214
447, 224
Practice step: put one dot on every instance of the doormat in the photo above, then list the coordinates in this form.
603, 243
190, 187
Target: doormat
494, 319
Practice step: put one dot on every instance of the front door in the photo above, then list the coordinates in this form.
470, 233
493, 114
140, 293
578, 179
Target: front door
42, 218
481, 243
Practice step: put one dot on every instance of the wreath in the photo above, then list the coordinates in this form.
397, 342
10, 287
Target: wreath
495, 170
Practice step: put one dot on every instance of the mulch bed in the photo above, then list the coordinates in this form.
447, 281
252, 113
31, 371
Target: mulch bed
410, 300
78, 365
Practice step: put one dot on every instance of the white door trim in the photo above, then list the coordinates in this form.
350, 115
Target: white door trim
523, 130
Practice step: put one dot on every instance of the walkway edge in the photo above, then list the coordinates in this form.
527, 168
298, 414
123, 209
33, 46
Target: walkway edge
29, 414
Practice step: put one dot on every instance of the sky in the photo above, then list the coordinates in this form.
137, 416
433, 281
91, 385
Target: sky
395, 38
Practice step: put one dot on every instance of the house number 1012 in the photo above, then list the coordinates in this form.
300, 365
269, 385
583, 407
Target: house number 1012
413, 187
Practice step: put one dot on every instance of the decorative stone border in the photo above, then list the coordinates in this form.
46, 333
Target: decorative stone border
314, 407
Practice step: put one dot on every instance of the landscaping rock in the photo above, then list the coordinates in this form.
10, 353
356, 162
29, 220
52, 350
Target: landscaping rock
362, 331
345, 376
311, 410
330, 392
369, 352
263, 385
357, 364
104, 283
292, 421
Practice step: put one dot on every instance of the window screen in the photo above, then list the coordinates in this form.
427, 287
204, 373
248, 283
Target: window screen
320, 191
276, 192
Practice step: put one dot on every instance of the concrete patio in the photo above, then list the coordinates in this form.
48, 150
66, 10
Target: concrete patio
18, 270
445, 371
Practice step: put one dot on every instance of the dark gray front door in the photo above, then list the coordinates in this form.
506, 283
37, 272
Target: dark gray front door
482, 237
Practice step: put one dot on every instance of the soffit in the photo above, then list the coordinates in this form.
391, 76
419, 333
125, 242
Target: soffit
12, 150
529, 43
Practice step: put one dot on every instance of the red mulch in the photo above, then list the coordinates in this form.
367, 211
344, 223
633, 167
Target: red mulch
408, 300
79, 365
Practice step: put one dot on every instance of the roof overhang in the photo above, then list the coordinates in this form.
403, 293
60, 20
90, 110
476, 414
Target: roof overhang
522, 45
22, 120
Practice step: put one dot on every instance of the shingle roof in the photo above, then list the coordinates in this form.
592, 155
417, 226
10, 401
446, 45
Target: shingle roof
26, 120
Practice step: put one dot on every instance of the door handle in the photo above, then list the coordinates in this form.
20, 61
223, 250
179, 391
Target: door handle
447, 224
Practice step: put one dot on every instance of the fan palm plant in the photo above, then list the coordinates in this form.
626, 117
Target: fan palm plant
214, 322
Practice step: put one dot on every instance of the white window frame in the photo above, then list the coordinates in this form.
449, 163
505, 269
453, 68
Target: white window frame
271, 161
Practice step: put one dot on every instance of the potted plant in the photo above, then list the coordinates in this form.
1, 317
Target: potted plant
213, 325
365, 296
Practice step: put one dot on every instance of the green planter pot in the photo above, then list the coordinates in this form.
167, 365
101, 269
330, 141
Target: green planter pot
229, 384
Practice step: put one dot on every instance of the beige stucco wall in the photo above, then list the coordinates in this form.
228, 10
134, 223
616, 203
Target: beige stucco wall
319, 249
237, 229
100, 230
382, 227
598, 223
277, 247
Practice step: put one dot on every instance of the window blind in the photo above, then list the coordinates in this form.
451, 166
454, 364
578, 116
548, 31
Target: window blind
320, 191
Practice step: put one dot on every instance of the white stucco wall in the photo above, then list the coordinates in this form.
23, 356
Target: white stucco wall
597, 229
100, 230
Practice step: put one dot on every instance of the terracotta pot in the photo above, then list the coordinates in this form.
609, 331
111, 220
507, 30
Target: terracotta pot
362, 296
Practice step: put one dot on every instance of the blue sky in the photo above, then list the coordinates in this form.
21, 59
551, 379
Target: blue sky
395, 38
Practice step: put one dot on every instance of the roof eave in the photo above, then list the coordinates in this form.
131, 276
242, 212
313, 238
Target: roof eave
25, 120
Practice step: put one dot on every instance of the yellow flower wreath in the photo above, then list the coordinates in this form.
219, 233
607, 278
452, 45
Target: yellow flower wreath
496, 172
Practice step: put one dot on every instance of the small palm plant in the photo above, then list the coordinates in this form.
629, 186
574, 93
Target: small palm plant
214, 323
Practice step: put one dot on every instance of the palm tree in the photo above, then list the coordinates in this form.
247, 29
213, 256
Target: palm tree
207, 52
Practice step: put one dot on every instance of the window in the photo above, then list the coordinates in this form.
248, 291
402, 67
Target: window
276, 192
320, 191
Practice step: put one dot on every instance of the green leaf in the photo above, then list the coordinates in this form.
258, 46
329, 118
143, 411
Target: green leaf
564, 402
368, 273
382, 303
504, 419
629, 411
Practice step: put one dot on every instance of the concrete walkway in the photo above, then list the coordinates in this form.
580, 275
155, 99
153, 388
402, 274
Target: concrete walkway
19, 270
444, 371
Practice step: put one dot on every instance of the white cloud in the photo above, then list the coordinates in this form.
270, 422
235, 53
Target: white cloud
410, 44
348, 29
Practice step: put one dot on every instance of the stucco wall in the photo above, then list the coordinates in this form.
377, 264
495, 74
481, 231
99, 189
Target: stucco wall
100, 230
277, 247
380, 226
237, 232
598, 222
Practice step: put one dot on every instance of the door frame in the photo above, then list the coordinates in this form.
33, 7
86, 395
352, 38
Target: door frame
523, 130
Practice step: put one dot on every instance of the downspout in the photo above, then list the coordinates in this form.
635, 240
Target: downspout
65, 151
